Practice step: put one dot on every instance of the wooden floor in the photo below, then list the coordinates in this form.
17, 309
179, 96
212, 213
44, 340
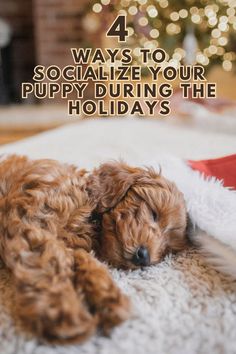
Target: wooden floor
22, 121
9, 136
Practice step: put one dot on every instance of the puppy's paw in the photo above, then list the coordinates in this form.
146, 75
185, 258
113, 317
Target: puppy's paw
55, 317
115, 310
68, 326
103, 297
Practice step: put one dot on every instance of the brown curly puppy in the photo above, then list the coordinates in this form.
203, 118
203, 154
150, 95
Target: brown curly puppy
52, 215
46, 234
142, 216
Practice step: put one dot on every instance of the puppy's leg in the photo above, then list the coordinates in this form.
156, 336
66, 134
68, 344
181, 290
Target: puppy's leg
46, 301
102, 294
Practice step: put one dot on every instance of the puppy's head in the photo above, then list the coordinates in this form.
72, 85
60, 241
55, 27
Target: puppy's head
142, 215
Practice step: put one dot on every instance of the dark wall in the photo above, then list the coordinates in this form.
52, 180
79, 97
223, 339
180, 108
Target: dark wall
19, 55
43, 31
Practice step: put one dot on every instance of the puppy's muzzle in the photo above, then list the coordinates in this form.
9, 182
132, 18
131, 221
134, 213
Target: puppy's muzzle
141, 257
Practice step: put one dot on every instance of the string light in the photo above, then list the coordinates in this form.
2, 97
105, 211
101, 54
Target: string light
230, 11
216, 33
220, 51
125, 3
152, 11
227, 65
133, 10
196, 18
223, 19
154, 33
222, 41
122, 12
173, 29
212, 49
212, 24
193, 10
175, 63
232, 19
183, 13
105, 2
164, 3
143, 21
97, 8
212, 21
174, 16
229, 56
130, 30
136, 52
177, 56
223, 26
181, 51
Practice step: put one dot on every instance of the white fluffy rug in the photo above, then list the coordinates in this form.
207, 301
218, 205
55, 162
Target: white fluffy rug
179, 306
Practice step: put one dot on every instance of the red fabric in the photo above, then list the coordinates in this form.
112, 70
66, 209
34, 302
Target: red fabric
223, 168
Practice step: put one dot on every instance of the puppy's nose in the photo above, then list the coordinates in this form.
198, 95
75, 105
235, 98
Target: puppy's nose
141, 257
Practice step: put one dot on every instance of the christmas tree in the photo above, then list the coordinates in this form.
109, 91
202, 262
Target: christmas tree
190, 31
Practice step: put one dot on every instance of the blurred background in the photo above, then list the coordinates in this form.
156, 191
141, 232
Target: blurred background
43, 31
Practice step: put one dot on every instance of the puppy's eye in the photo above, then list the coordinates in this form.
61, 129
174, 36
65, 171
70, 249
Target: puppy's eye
154, 216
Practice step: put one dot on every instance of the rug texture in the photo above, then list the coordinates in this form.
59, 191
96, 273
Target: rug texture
181, 305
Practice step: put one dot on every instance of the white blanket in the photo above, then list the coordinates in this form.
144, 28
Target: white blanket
212, 210
181, 305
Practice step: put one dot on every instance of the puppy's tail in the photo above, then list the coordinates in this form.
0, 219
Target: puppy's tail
220, 255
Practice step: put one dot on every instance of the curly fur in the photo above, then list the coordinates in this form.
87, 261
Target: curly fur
53, 215
45, 239
138, 207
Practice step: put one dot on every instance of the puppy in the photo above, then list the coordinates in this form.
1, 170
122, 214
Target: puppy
53, 215
142, 216
46, 234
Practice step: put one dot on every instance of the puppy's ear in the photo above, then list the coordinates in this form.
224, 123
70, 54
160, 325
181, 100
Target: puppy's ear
110, 182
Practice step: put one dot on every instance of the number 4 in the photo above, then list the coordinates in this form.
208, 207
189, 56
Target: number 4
118, 29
